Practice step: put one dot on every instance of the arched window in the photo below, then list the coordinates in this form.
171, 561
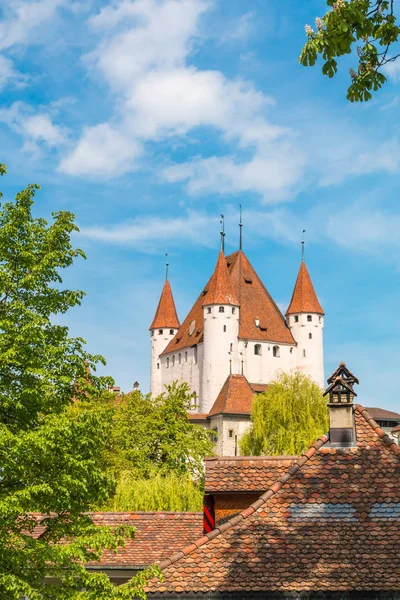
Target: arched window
167, 362
257, 349
160, 332
171, 332
296, 318
209, 309
309, 318
275, 351
221, 309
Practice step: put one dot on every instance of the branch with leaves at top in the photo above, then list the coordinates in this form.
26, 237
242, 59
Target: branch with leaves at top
370, 27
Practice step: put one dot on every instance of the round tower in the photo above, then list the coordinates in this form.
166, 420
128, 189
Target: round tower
305, 318
162, 330
221, 332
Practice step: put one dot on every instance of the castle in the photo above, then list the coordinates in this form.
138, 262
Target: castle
233, 342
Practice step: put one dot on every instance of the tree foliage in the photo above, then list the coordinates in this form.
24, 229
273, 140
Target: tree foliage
369, 25
50, 452
155, 454
287, 418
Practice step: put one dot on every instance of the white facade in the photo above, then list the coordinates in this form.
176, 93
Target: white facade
159, 340
307, 330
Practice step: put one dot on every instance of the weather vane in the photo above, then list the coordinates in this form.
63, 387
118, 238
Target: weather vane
166, 266
222, 233
240, 228
302, 245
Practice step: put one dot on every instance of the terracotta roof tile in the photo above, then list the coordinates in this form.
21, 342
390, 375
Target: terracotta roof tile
304, 298
396, 429
383, 414
235, 397
329, 523
166, 315
259, 388
244, 473
220, 288
255, 303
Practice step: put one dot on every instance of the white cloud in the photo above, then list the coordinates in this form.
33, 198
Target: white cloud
8, 74
103, 151
34, 128
392, 70
144, 56
150, 233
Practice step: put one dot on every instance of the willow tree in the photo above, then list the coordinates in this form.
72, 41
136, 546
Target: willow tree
287, 418
50, 452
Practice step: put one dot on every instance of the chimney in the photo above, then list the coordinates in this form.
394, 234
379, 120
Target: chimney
341, 411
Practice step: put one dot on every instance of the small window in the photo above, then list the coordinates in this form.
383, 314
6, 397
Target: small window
173, 360
221, 309
171, 332
257, 349
167, 362
233, 310
152, 333
179, 358
160, 331
319, 319
224, 328
275, 351
296, 318
158, 365
257, 322
310, 336
304, 353
230, 347
195, 355
231, 433
291, 350
209, 309
309, 318
185, 356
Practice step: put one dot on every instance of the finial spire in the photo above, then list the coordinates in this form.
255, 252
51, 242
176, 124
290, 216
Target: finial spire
222, 233
240, 228
166, 267
302, 245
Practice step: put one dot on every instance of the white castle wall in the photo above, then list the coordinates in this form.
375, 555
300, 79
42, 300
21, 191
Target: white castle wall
262, 368
183, 366
307, 330
226, 444
221, 330
159, 339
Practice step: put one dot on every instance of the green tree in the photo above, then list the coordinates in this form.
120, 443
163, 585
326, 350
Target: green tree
287, 418
367, 26
154, 447
50, 452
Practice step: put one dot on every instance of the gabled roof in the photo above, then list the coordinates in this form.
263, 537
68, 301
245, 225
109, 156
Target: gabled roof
344, 372
220, 289
304, 298
235, 398
338, 384
255, 303
166, 315
383, 414
327, 524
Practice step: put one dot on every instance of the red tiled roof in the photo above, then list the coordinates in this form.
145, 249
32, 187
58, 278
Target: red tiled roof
235, 397
329, 523
166, 315
158, 534
396, 429
255, 303
259, 388
244, 473
304, 298
383, 414
197, 416
219, 288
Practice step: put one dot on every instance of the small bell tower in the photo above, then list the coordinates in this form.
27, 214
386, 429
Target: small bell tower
341, 410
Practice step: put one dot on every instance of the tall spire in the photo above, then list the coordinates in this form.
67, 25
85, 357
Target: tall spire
304, 298
240, 229
166, 315
220, 289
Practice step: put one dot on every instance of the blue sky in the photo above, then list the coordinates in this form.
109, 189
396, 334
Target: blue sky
149, 118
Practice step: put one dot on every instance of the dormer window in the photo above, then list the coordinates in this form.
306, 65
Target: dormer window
221, 309
257, 322
257, 349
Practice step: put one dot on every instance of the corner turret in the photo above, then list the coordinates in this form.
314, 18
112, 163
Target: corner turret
162, 329
305, 318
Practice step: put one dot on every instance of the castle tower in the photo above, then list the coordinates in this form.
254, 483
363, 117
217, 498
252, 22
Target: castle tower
305, 318
221, 332
163, 328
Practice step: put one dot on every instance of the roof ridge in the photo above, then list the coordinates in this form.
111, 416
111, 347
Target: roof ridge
242, 516
386, 439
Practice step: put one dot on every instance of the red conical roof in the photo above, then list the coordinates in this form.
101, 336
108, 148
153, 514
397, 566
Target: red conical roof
235, 398
166, 315
220, 289
304, 298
